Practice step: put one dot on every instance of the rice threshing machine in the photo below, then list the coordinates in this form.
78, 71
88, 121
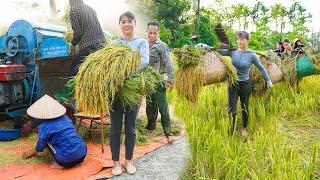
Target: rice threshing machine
34, 58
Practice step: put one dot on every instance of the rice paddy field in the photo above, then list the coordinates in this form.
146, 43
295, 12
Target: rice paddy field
283, 141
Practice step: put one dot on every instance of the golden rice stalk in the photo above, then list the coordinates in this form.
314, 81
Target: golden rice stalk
189, 82
190, 76
101, 77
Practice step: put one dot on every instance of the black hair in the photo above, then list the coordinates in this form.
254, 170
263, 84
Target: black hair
286, 41
243, 34
129, 15
152, 23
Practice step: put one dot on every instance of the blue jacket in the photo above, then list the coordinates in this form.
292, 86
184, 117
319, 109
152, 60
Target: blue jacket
62, 135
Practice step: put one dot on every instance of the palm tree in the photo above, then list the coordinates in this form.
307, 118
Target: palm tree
258, 11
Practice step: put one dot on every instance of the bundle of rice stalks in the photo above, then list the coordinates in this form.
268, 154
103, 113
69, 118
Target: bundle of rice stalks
101, 77
138, 86
189, 82
315, 58
288, 67
188, 56
190, 75
196, 68
278, 70
256, 78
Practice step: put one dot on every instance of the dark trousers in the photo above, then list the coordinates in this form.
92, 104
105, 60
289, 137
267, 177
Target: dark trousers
64, 164
243, 90
157, 101
130, 117
80, 56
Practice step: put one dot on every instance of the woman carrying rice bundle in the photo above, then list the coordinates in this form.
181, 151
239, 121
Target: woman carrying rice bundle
127, 24
242, 59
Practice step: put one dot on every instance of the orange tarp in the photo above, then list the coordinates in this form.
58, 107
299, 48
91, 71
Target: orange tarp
95, 165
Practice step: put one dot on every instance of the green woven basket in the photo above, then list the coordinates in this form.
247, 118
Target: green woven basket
304, 67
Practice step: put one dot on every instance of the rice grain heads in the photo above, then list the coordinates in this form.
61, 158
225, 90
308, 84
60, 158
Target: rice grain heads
101, 77
190, 75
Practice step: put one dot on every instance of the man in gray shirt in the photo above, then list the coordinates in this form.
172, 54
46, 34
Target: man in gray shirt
87, 32
161, 62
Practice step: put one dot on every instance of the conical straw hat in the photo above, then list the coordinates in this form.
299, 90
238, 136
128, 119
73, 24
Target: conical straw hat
46, 108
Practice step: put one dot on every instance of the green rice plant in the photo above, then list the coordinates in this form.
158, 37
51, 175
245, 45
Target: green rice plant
138, 86
188, 56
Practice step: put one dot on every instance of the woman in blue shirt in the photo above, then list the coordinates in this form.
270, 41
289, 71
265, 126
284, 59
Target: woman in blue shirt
242, 59
127, 24
56, 133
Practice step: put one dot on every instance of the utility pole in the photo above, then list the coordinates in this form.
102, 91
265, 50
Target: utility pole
53, 9
198, 16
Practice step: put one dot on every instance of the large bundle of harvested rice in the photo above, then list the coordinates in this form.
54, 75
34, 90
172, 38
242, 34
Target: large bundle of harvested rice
289, 69
190, 74
315, 58
110, 72
196, 68
270, 61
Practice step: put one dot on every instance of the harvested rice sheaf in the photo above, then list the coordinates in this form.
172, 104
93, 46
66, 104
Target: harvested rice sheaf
138, 86
190, 74
287, 66
188, 56
189, 82
102, 76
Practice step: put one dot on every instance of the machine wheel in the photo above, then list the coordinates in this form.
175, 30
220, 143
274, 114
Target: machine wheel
12, 46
